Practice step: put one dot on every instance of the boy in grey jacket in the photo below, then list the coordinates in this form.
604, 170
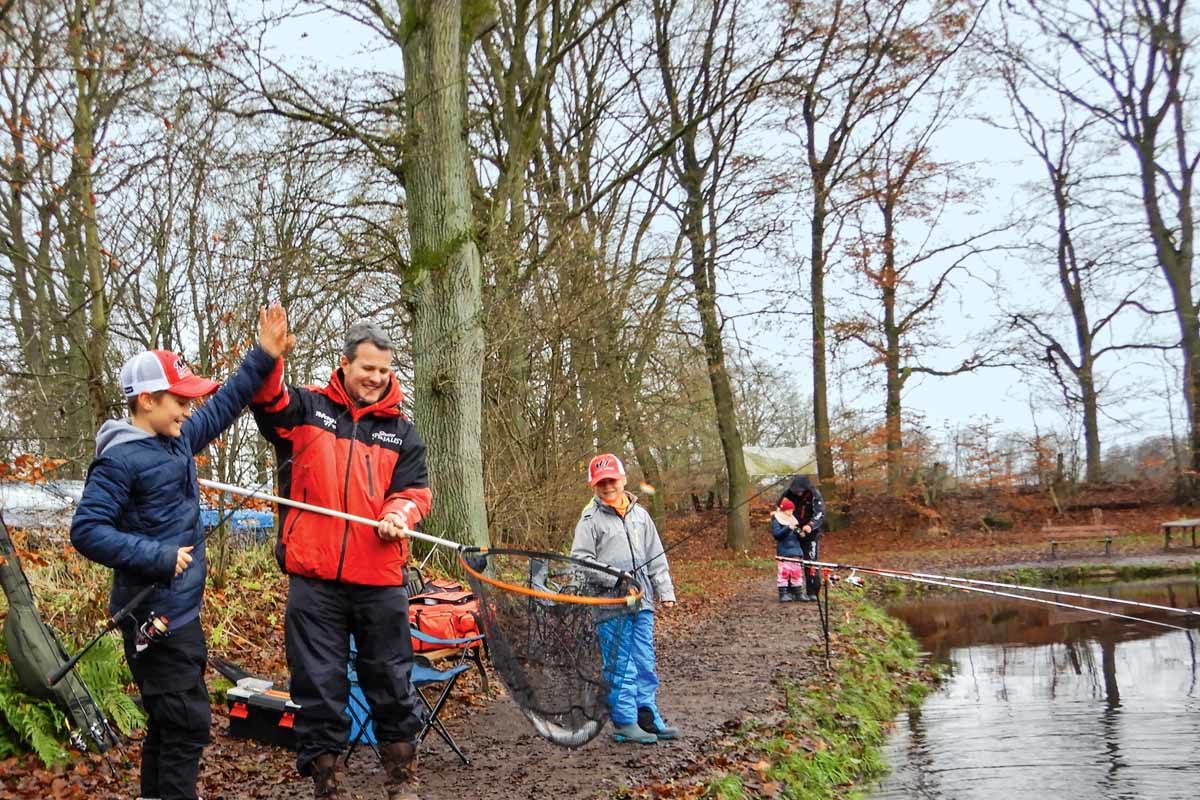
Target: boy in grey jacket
615, 530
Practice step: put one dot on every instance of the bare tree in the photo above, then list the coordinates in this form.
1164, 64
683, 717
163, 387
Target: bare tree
1134, 74
904, 187
1089, 256
71, 89
849, 62
710, 83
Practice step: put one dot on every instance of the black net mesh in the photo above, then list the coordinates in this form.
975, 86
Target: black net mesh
556, 629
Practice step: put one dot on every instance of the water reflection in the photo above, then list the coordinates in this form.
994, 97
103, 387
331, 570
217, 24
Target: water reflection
1061, 703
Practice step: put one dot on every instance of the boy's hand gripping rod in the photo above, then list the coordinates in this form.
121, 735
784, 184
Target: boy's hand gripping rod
110, 625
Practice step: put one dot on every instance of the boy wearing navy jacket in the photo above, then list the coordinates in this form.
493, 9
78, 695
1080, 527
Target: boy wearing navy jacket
140, 515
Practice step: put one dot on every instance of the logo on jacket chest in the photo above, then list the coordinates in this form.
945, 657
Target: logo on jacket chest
326, 420
387, 437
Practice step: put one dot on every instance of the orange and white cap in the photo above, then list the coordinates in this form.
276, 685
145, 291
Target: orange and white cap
156, 370
605, 466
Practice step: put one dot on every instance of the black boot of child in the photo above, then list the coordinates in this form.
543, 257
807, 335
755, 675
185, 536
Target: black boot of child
799, 595
785, 595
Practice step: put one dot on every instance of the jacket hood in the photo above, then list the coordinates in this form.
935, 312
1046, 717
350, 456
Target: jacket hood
118, 431
801, 484
386, 406
785, 518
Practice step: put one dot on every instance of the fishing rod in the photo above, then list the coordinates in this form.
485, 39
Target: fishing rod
374, 523
729, 511
329, 512
1059, 592
912, 578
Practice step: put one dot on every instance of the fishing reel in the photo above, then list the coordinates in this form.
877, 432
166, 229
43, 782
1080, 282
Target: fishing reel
154, 629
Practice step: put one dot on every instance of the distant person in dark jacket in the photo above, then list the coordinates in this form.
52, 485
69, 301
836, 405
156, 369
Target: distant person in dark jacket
810, 514
140, 515
785, 529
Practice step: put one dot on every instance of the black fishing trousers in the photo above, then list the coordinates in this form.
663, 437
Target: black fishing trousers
321, 617
170, 675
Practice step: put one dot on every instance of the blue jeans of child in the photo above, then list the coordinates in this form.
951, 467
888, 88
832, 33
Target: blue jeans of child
629, 665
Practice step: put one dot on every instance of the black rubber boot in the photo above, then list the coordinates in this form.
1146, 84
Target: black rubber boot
785, 596
799, 595
646, 723
399, 769
324, 775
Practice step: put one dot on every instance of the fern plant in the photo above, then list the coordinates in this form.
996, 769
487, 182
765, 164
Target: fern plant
106, 674
29, 724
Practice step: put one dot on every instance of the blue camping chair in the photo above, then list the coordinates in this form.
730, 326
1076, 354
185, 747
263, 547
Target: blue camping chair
423, 674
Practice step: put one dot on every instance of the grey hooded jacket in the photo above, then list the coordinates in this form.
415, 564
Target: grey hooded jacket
602, 535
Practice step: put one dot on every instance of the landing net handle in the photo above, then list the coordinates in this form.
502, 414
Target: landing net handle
624, 590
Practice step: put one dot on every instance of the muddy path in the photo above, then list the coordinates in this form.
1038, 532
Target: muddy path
712, 678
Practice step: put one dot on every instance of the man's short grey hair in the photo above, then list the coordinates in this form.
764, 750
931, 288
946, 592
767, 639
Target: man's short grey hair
365, 331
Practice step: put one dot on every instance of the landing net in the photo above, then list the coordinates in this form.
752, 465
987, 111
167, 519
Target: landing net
554, 626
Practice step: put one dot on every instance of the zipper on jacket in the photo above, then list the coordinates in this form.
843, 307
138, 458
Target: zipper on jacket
370, 480
635, 569
295, 517
346, 498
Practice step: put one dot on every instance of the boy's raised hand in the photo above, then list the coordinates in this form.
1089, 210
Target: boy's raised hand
273, 333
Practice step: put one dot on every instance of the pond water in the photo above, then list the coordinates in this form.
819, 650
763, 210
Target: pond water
1050, 702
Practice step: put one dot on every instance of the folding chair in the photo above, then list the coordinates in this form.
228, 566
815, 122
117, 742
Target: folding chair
416, 581
423, 674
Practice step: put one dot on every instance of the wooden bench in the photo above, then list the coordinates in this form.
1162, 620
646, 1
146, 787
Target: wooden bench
1094, 532
1181, 525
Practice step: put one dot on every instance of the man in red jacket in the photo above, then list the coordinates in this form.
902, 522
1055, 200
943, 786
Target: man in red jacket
348, 446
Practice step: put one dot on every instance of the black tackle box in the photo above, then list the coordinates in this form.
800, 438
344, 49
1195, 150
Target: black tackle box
261, 713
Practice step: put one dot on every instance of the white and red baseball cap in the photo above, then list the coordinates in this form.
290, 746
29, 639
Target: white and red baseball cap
156, 370
605, 466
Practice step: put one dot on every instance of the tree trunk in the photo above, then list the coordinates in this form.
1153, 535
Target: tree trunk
891, 332
90, 337
1072, 282
737, 536
821, 432
1093, 472
1176, 265
444, 279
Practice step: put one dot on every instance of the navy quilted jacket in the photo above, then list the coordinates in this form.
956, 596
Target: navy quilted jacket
141, 502
787, 539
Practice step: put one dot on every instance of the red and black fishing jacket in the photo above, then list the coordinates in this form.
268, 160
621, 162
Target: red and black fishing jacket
364, 460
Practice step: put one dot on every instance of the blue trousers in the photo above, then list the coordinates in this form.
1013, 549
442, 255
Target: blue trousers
627, 644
